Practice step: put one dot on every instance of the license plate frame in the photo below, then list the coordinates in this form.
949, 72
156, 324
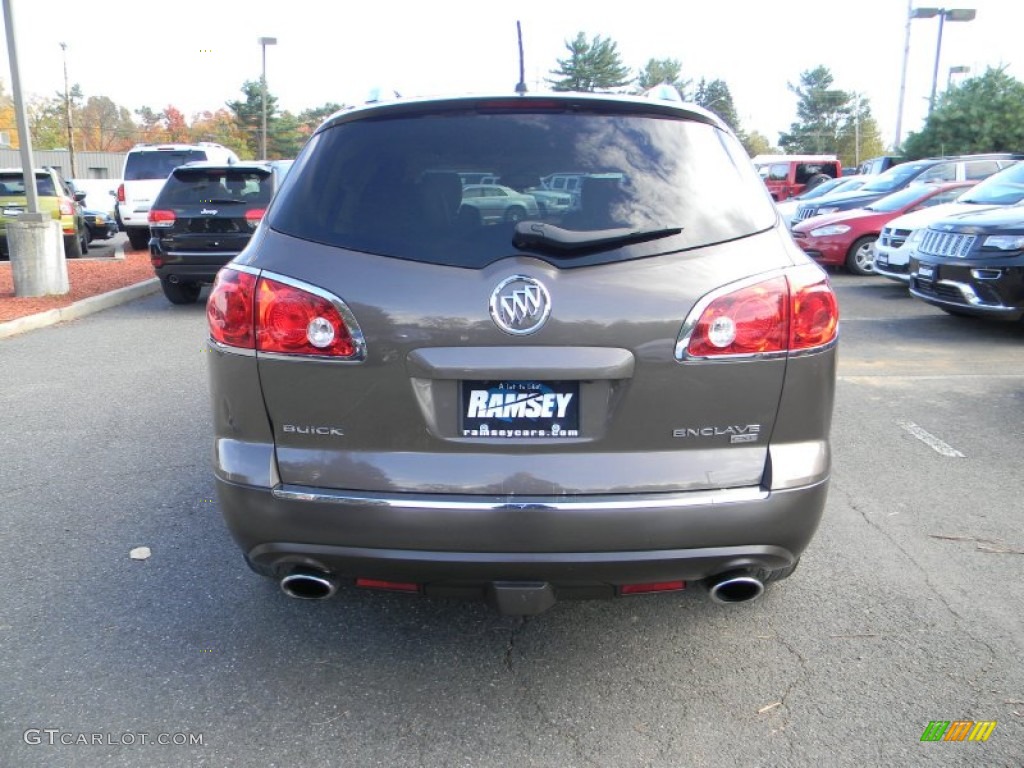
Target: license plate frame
519, 409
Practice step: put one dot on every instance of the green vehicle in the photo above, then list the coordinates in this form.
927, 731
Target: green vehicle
55, 197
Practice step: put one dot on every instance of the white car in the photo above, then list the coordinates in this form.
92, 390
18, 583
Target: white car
896, 244
146, 168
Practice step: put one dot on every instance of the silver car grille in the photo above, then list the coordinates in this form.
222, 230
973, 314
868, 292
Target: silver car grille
946, 244
894, 238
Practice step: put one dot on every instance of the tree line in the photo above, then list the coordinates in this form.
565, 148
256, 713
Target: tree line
981, 114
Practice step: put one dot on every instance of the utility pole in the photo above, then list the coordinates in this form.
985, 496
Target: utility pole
67, 112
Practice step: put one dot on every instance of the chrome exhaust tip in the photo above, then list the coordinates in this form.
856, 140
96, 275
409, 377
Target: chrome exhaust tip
735, 587
309, 585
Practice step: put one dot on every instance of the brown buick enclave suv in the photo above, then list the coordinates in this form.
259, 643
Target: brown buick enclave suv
628, 395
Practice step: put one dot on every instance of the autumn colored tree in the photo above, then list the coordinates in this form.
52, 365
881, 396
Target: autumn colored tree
221, 127
8, 120
105, 127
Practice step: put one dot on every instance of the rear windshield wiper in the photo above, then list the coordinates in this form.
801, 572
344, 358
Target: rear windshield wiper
547, 237
222, 201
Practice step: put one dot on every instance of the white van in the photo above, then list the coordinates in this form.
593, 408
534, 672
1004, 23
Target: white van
146, 168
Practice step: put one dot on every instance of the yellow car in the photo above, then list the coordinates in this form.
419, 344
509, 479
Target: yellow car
55, 197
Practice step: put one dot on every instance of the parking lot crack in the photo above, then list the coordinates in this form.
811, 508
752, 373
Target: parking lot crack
964, 624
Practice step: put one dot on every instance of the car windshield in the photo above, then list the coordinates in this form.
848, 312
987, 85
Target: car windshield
397, 186
158, 163
894, 178
899, 200
13, 185
1004, 188
833, 185
190, 187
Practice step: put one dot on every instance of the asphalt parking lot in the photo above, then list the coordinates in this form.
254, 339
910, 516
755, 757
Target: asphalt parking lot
906, 608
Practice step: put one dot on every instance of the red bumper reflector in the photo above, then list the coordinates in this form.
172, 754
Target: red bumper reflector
657, 586
393, 586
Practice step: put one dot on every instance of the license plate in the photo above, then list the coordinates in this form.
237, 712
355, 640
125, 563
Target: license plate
520, 409
13, 211
925, 272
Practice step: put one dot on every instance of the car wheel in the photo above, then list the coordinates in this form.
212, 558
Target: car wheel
861, 258
180, 293
72, 247
139, 238
515, 213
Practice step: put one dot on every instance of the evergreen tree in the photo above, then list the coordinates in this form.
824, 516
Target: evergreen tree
715, 97
821, 112
658, 71
982, 114
593, 66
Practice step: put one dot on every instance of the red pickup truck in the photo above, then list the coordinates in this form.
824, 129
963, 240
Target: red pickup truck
789, 175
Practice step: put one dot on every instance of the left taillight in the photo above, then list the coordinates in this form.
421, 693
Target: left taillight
791, 312
161, 218
280, 316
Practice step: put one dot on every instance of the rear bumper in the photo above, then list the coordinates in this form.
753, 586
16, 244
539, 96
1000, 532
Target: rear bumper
468, 542
188, 267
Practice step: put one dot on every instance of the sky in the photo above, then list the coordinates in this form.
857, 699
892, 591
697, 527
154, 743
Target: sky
196, 55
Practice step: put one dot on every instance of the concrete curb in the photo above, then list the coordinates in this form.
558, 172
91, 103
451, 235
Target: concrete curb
79, 309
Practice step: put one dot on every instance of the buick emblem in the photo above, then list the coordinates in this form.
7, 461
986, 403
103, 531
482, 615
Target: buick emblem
520, 305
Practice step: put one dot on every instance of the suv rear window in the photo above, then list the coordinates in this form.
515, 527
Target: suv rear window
158, 164
391, 185
189, 186
14, 184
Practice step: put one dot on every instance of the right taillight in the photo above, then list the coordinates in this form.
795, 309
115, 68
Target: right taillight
791, 312
120, 193
281, 316
814, 312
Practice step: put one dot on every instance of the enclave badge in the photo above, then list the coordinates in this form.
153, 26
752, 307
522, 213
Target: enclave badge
520, 305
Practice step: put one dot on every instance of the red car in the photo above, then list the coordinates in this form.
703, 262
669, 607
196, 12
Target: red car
847, 238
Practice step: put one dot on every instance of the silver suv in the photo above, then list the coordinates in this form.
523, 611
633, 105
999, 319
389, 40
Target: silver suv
630, 397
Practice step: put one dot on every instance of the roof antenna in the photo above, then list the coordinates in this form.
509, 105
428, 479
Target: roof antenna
521, 85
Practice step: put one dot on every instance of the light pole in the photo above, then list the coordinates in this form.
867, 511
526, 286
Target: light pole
960, 69
953, 14
264, 42
67, 112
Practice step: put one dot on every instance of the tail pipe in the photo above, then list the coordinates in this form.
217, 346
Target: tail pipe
309, 585
735, 587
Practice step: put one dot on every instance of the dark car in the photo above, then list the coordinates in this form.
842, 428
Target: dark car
934, 169
972, 264
101, 226
202, 218
621, 399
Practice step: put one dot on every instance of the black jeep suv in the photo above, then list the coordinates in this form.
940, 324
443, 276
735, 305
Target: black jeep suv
203, 218
972, 264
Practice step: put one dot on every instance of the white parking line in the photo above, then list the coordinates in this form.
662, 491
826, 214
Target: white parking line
931, 440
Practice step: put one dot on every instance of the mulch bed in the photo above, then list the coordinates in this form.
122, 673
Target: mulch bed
86, 277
